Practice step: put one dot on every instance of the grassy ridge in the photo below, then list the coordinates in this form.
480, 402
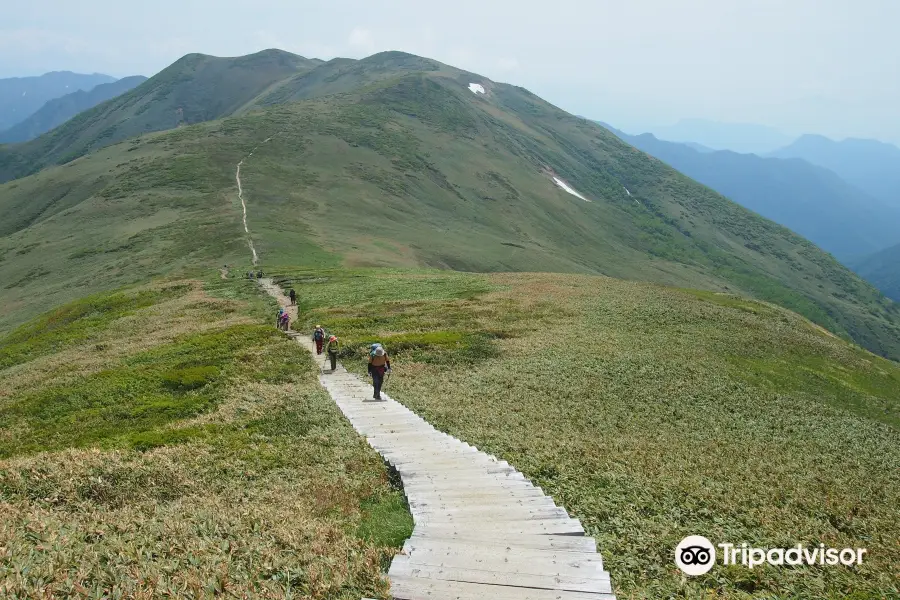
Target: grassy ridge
650, 414
411, 170
195, 88
161, 441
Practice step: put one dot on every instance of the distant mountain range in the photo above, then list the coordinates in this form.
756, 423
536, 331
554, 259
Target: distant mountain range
20, 97
713, 135
59, 110
870, 165
194, 89
811, 200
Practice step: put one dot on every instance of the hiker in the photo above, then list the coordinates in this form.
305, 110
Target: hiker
332, 349
259, 274
278, 318
293, 297
285, 321
379, 365
250, 275
319, 338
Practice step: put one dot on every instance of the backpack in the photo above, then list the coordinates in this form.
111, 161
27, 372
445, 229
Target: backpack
372, 349
319, 335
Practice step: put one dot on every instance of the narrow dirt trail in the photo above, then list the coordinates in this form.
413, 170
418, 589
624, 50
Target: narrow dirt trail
237, 177
482, 529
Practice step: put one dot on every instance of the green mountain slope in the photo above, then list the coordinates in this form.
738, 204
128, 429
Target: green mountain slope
59, 110
343, 75
624, 413
195, 88
20, 97
810, 200
411, 170
883, 270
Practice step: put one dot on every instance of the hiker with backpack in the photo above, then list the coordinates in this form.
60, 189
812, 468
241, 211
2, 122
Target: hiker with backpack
319, 338
293, 295
332, 349
285, 321
278, 318
379, 365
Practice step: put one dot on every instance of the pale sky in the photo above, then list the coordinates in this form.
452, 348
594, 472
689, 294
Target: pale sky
818, 66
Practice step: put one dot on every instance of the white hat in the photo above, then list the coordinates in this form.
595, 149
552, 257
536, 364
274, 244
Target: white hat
379, 351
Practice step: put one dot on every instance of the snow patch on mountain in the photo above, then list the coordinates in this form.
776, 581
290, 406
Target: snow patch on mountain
565, 186
476, 88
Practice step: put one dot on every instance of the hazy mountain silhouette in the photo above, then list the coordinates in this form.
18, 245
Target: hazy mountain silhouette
811, 200
20, 97
59, 110
739, 137
870, 165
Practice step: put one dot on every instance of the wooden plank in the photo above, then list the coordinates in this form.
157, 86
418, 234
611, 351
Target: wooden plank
415, 588
428, 550
554, 527
497, 513
401, 567
520, 543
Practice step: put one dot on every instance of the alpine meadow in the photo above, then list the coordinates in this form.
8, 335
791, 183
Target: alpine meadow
658, 359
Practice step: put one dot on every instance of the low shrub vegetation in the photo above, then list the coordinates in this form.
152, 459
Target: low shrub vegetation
163, 444
651, 414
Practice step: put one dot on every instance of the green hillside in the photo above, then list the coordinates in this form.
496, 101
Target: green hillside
165, 441
411, 170
343, 75
201, 87
649, 413
415, 170
657, 358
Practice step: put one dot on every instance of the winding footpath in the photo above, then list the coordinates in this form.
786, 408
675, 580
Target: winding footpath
237, 177
482, 530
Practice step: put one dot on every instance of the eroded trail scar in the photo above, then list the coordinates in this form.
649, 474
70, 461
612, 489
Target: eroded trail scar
244, 207
482, 530
237, 177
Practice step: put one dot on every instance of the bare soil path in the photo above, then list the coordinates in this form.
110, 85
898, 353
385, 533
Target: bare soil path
237, 177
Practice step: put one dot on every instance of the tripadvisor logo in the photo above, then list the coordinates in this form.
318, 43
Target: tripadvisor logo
696, 555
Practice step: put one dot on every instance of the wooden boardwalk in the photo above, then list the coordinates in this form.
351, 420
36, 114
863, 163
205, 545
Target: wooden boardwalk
482, 530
